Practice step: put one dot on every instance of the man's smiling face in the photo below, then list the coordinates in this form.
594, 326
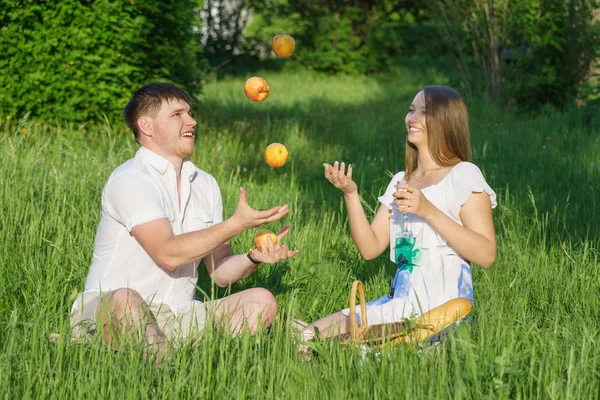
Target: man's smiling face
173, 129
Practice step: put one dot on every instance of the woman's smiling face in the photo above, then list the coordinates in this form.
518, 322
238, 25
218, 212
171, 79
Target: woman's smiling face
416, 126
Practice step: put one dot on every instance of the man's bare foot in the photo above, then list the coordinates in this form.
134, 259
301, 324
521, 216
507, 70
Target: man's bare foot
303, 350
296, 325
304, 353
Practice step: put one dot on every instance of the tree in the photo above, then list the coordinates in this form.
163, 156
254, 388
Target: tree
532, 52
223, 24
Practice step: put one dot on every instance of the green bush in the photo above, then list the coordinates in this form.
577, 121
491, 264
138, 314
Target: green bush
338, 36
553, 45
76, 61
407, 40
536, 54
336, 46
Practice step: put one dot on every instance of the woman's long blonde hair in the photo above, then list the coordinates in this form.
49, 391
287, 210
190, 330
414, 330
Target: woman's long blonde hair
447, 129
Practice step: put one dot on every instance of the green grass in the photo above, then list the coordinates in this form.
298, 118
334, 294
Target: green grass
535, 331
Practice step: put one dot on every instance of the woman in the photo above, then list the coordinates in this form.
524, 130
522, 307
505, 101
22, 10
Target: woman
449, 215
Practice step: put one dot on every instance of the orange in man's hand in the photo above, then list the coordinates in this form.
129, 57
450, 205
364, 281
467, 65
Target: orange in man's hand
262, 235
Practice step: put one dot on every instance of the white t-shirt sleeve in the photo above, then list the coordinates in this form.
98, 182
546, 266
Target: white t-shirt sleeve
132, 199
387, 199
466, 179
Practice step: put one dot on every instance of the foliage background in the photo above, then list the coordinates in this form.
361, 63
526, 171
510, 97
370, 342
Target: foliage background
532, 54
80, 61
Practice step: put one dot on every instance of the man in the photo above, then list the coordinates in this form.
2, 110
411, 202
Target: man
161, 216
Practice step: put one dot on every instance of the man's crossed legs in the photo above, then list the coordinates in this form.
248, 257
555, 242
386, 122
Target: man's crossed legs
123, 313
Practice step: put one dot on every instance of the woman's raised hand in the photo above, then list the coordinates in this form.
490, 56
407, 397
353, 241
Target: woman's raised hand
339, 177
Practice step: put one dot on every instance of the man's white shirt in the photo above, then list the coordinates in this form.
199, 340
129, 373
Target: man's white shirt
141, 190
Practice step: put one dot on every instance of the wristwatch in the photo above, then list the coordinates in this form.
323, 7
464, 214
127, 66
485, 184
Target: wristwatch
249, 255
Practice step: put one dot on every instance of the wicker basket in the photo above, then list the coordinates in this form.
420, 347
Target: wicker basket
426, 326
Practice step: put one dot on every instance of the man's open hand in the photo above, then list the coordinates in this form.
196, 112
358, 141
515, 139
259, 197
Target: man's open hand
249, 218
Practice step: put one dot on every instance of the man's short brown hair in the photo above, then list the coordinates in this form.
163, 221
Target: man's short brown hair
147, 101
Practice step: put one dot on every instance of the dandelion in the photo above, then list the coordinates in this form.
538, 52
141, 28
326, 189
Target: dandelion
24, 130
212, 150
8, 117
548, 138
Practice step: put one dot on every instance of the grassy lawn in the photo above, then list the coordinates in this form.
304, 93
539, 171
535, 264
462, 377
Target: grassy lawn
535, 331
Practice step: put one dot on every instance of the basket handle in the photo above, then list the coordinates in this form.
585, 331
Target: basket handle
355, 331
428, 327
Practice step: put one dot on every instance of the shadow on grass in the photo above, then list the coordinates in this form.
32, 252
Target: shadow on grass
531, 157
319, 131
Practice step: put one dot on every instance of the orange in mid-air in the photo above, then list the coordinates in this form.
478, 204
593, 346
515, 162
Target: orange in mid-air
276, 155
283, 46
257, 89
262, 235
